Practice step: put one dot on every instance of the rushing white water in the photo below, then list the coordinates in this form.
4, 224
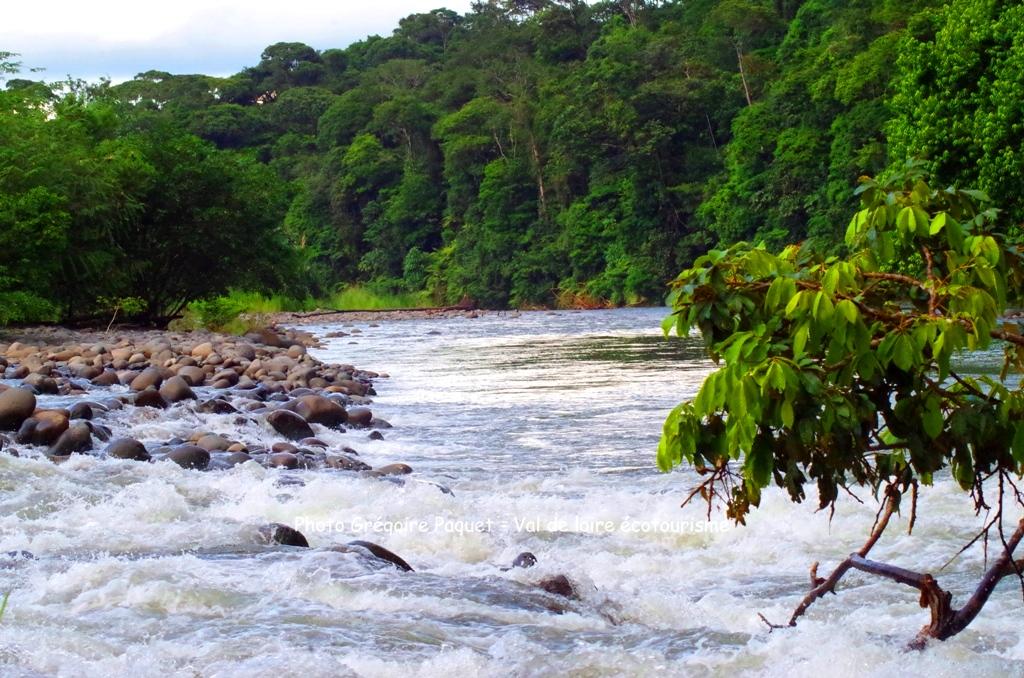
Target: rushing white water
543, 426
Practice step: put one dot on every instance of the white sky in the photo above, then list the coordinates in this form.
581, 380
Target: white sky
119, 38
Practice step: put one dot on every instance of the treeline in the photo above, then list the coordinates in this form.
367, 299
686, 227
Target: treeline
528, 153
102, 210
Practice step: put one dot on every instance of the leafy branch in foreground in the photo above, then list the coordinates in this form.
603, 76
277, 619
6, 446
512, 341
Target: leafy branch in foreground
838, 372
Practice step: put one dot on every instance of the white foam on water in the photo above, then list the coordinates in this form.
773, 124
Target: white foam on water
543, 428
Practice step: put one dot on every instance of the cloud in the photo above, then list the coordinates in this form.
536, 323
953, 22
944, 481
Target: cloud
117, 38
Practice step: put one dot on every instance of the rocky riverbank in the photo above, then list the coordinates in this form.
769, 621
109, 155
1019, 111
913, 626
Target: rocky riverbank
265, 381
66, 393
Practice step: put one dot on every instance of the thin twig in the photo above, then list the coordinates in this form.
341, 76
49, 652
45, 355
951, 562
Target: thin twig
981, 533
113, 317
933, 298
913, 507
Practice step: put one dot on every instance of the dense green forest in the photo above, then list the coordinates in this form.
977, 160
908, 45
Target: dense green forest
528, 153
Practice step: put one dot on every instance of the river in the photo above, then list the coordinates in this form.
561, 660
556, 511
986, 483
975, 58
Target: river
527, 432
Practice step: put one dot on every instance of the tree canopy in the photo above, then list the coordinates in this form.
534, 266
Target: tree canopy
958, 96
94, 205
557, 151
533, 153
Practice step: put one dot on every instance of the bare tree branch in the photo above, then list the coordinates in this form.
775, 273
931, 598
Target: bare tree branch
946, 621
897, 574
1002, 566
819, 586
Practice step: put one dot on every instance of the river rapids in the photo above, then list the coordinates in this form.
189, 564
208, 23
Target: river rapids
526, 432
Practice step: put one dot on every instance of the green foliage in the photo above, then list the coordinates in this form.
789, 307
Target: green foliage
208, 220
816, 127
838, 371
958, 104
262, 304
455, 152
17, 306
7, 65
216, 313
358, 298
97, 207
299, 109
126, 307
345, 117
229, 125
61, 200
238, 311
483, 270
416, 269
524, 153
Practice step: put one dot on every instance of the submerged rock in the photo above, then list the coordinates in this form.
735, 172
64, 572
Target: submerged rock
176, 389
236, 458
102, 433
559, 585
192, 375
394, 470
190, 456
212, 442
444, 489
276, 533
42, 428
216, 406
149, 377
13, 559
274, 378
107, 378
26, 432
150, 398
283, 460
127, 448
289, 424
343, 462
317, 409
16, 405
360, 416
41, 383
78, 438
381, 553
19, 372
83, 410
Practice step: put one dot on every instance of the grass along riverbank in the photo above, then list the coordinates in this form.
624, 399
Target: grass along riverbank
238, 311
